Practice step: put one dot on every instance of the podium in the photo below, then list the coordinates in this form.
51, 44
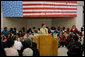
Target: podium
47, 45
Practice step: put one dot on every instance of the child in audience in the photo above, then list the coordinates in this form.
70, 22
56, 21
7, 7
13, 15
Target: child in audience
64, 29
4, 39
68, 30
63, 41
38, 30
58, 29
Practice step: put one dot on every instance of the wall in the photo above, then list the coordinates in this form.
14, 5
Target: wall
1, 18
31, 22
26, 22
79, 19
63, 21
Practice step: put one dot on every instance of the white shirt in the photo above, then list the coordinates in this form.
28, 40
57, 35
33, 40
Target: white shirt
11, 52
43, 31
17, 45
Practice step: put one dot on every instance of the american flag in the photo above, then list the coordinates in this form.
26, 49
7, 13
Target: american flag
40, 8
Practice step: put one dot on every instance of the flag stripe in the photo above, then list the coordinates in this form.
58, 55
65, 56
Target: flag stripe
46, 10
48, 4
49, 15
54, 1
49, 9
52, 12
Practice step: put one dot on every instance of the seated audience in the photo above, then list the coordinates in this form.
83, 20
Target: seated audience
30, 44
23, 29
74, 29
2, 51
49, 31
3, 39
75, 48
52, 29
35, 50
15, 31
64, 29
29, 32
20, 34
27, 52
21, 43
54, 34
5, 31
10, 50
25, 35
17, 45
58, 29
63, 41
11, 30
68, 30
60, 33
34, 30
38, 30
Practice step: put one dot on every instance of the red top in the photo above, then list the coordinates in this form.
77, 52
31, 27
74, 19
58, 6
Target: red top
80, 35
74, 30
67, 32
63, 39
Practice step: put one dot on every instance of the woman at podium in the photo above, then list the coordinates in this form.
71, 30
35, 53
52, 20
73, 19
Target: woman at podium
43, 30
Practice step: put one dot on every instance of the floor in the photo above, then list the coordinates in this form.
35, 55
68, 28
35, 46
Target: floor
62, 51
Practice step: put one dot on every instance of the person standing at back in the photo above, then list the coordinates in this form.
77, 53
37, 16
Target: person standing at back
43, 30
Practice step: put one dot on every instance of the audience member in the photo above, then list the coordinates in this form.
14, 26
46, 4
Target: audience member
58, 29
38, 30
68, 30
35, 50
64, 29
2, 51
22, 42
34, 30
27, 52
74, 29
5, 31
15, 31
75, 48
10, 50
29, 32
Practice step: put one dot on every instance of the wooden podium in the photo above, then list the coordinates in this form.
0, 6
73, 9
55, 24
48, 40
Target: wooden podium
47, 45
